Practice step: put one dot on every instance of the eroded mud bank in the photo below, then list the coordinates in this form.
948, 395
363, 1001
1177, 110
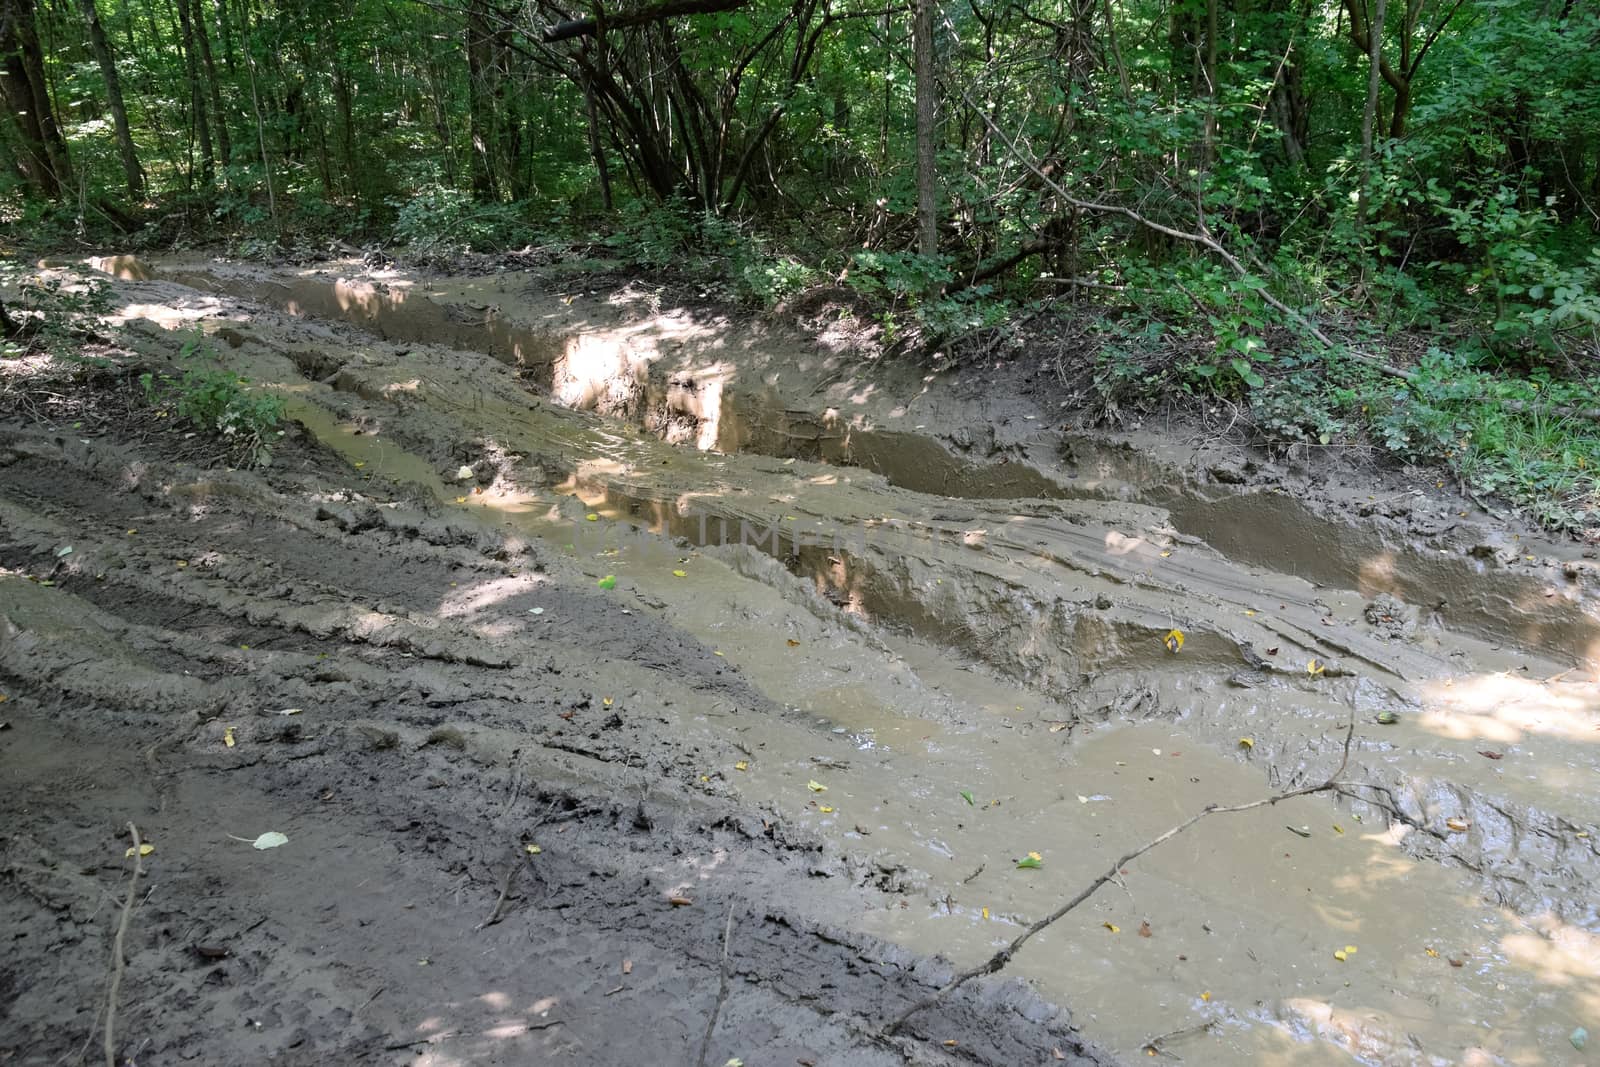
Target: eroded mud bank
918, 592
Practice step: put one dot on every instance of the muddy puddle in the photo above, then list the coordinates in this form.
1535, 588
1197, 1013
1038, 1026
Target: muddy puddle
974, 660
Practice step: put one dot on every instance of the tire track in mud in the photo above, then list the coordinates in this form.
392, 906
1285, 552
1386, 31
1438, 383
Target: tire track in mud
411, 773
1001, 595
1046, 596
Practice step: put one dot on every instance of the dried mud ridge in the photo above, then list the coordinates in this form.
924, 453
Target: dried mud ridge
995, 617
427, 756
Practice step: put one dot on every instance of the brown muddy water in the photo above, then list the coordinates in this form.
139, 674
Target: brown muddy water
980, 631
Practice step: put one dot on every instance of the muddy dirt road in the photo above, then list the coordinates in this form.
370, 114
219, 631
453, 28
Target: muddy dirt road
706, 612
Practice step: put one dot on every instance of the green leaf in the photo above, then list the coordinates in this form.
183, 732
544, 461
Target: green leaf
1029, 863
608, 582
967, 796
270, 839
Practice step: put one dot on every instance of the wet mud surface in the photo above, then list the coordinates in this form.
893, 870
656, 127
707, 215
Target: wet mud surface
540, 564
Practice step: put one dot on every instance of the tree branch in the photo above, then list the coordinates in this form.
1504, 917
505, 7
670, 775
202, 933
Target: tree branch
1002, 957
591, 27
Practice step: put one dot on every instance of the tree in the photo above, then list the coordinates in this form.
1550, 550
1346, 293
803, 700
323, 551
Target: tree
132, 171
927, 130
42, 157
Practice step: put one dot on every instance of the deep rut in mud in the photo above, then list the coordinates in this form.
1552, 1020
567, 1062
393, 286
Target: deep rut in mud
826, 573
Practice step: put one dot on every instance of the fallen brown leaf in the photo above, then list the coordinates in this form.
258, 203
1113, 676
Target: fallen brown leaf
1144, 928
679, 902
627, 966
1457, 963
1491, 755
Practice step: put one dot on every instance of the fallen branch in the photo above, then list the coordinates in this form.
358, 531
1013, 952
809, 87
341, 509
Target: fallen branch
1003, 956
722, 991
117, 962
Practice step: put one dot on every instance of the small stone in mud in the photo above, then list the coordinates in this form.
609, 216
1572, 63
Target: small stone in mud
1102, 602
1392, 617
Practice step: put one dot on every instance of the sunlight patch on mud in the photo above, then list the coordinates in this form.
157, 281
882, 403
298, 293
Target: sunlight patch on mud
1556, 953
1502, 708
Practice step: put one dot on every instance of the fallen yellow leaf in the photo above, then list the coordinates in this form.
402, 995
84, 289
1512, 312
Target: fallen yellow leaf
1460, 826
1113, 927
227, 737
680, 574
825, 810
1432, 952
742, 765
1315, 667
1206, 996
1173, 640
592, 517
360, 463
532, 850
1035, 856
607, 701
144, 850
1340, 956
985, 913
461, 500
1247, 742
816, 786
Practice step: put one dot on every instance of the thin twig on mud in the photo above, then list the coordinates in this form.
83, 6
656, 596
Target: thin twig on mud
722, 991
117, 962
1153, 1045
505, 891
1003, 956
522, 858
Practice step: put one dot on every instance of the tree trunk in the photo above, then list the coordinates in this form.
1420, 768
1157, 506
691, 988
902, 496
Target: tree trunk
213, 86
347, 128
1208, 71
197, 106
1369, 117
43, 157
119, 113
480, 99
595, 147
927, 128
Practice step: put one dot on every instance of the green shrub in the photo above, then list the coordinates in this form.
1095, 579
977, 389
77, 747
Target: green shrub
217, 401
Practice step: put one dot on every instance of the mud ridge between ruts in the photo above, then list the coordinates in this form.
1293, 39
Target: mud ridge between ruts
439, 734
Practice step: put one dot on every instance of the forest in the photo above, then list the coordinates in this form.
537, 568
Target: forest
871, 532
1363, 225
